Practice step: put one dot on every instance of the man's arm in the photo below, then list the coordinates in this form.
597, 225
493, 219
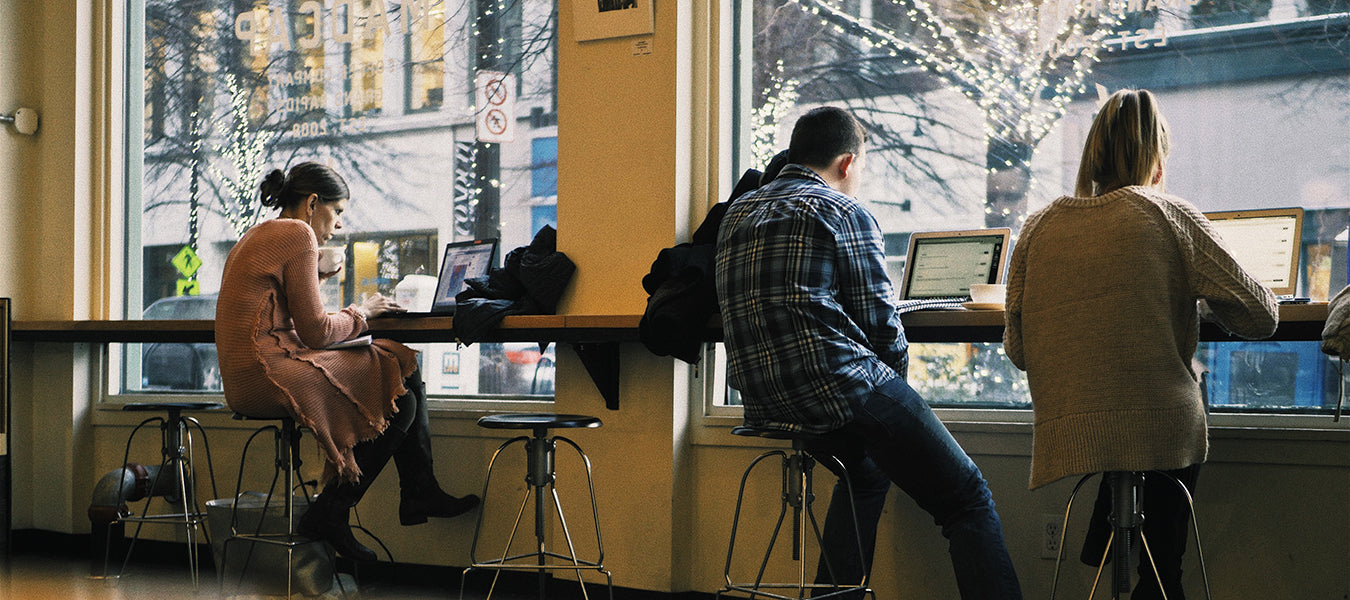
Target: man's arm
865, 289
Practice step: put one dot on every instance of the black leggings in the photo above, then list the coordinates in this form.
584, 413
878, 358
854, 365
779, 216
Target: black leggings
407, 440
1167, 517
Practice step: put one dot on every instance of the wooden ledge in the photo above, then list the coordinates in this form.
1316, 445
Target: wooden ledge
1297, 322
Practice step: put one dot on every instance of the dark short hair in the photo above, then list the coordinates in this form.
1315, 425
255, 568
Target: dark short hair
287, 190
824, 133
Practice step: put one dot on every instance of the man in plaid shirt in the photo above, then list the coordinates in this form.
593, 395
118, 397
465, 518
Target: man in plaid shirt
815, 345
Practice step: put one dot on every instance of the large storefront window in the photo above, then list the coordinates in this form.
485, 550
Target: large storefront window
978, 112
386, 93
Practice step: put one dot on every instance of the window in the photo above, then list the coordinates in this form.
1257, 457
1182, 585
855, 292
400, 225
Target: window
978, 111
544, 167
223, 91
425, 48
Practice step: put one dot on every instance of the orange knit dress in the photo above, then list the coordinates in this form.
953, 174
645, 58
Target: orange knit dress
271, 328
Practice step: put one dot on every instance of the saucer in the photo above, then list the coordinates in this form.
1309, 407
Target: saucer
982, 305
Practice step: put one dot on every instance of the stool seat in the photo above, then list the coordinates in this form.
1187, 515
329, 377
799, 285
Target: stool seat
538, 420
152, 406
772, 434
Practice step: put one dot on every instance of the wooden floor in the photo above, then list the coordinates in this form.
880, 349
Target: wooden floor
47, 576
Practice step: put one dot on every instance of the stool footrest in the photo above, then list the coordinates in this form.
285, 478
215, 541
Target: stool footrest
275, 539
177, 519
509, 563
758, 590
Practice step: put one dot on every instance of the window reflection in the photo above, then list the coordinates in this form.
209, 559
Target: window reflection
381, 91
978, 112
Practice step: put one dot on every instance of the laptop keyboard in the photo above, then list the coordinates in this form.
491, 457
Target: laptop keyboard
905, 306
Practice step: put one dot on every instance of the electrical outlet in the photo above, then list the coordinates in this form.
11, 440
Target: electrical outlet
1051, 531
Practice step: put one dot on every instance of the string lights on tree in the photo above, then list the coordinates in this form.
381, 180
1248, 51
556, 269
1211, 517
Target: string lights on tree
778, 102
246, 149
1021, 62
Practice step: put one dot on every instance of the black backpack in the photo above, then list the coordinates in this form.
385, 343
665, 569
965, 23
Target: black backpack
682, 294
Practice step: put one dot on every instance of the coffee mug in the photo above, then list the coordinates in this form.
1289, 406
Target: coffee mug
988, 293
331, 259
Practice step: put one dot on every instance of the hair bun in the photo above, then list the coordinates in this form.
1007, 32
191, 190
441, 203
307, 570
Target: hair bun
271, 186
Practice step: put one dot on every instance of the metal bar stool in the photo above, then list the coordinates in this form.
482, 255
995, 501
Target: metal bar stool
1127, 519
288, 462
174, 479
540, 453
796, 492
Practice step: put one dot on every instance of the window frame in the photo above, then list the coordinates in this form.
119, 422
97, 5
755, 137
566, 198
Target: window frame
1302, 32
130, 36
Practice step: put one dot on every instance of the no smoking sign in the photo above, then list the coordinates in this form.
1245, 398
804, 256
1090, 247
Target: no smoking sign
495, 106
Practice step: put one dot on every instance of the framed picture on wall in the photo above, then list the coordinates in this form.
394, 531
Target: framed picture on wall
600, 19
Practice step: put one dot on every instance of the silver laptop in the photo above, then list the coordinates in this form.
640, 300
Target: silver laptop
462, 261
1265, 242
940, 266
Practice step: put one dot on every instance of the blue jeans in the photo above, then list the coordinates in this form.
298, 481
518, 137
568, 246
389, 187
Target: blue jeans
895, 438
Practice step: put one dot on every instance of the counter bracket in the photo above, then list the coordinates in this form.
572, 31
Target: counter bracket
601, 360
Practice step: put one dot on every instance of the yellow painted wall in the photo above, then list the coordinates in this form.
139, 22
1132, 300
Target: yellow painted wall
618, 192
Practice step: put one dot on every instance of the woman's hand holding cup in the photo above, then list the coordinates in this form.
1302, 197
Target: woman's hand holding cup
330, 261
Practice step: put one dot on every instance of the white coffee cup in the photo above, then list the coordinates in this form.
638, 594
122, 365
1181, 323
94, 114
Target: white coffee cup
331, 258
988, 293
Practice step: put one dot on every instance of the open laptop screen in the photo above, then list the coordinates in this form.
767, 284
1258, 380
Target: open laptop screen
944, 264
463, 261
1265, 243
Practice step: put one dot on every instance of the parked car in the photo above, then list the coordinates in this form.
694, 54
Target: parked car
180, 366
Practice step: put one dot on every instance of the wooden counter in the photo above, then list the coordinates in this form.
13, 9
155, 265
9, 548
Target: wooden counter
1297, 322
596, 338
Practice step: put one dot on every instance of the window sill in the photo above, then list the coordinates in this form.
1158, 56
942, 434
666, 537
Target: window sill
1234, 438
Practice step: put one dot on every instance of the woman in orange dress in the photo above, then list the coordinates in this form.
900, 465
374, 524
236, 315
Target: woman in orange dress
364, 404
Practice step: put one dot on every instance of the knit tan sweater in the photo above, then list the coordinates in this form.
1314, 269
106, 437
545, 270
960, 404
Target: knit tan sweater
1102, 315
271, 328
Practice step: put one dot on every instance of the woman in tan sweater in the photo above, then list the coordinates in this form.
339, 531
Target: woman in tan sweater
363, 404
1102, 315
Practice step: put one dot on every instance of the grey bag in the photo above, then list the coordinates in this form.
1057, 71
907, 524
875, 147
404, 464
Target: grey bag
312, 563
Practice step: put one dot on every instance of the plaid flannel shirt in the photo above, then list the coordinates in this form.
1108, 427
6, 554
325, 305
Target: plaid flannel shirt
808, 312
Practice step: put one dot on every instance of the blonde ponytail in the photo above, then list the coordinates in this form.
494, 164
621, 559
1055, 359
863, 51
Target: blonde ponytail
1127, 143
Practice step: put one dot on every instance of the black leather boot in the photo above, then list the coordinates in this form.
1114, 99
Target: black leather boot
420, 495
326, 520
415, 505
327, 517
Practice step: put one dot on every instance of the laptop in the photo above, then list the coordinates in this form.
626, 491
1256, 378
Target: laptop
1265, 242
940, 266
462, 261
